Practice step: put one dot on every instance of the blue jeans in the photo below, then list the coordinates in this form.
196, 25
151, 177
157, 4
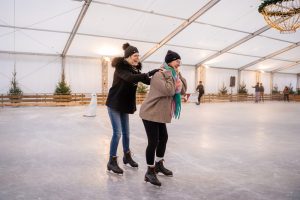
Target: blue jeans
120, 123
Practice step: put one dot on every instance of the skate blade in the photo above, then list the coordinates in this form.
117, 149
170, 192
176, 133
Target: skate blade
157, 186
129, 166
161, 174
147, 181
113, 173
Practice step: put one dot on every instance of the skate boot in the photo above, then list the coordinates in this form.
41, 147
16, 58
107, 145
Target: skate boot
159, 167
112, 165
150, 176
127, 159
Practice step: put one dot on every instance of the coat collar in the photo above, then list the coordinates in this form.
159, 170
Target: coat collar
121, 63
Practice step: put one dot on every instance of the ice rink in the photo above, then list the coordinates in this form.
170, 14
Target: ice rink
217, 151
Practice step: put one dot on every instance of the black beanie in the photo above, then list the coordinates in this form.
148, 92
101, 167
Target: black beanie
171, 55
129, 50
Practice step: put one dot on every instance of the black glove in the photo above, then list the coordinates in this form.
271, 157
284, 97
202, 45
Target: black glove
152, 72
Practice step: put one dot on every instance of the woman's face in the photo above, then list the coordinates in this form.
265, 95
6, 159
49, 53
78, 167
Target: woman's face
134, 59
175, 64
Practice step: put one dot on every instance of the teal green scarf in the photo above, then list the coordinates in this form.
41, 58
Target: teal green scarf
176, 103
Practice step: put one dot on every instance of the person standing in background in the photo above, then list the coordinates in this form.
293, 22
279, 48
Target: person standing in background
200, 90
286, 93
256, 92
261, 92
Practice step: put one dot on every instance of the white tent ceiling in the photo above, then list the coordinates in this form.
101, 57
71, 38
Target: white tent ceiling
230, 34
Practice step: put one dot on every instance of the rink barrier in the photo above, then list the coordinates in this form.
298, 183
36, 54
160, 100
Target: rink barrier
83, 99
56, 100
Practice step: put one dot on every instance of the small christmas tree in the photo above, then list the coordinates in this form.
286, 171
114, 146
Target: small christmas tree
275, 90
62, 87
291, 89
142, 88
14, 89
243, 89
223, 90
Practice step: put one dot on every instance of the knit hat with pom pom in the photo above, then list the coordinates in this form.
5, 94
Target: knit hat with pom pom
129, 50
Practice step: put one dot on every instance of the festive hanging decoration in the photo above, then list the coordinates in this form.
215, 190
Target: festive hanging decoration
283, 15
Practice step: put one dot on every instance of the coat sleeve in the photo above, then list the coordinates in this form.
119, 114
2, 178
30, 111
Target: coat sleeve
132, 78
146, 81
163, 83
184, 85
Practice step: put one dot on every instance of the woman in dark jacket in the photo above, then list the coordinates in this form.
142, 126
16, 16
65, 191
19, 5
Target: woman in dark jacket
121, 101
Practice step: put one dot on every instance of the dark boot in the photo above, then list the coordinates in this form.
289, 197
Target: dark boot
159, 167
128, 159
112, 165
150, 176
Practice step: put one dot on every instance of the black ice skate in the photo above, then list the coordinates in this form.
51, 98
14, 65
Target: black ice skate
127, 159
159, 167
112, 165
150, 176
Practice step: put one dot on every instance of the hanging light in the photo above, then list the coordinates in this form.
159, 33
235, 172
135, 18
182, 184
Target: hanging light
283, 15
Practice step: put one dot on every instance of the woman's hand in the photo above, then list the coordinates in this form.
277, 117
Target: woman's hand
152, 72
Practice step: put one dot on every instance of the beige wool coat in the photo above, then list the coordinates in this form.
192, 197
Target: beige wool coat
157, 105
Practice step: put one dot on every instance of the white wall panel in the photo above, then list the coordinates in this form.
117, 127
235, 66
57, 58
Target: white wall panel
265, 80
35, 74
215, 79
249, 78
282, 80
84, 75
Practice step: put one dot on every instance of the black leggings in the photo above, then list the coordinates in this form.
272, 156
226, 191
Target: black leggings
157, 140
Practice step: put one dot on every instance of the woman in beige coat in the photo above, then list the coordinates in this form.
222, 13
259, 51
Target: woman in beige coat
162, 103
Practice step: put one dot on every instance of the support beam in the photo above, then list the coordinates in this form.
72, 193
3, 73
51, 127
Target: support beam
178, 18
258, 76
185, 24
298, 82
286, 67
63, 67
239, 42
76, 26
271, 55
238, 80
134, 40
104, 66
202, 74
46, 54
271, 82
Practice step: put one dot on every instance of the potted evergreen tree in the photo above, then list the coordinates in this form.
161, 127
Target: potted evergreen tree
275, 90
62, 88
276, 93
291, 89
223, 90
15, 92
141, 91
242, 92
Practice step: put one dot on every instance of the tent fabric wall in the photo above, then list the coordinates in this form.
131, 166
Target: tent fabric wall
265, 80
35, 74
249, 78
40, 74
84, 75
189, 74
216, 77
282, 80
